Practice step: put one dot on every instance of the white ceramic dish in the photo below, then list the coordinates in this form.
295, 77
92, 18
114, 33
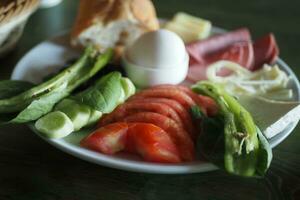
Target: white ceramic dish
48, 56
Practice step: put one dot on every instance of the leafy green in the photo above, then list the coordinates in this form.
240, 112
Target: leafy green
9, 88
37, 101
210, 143
19, 102
39, 107
232, 134
104, 95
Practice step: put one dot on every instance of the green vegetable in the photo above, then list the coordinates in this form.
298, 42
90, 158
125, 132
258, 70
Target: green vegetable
94, 117
78, 113
9, 88
128, 87
104, 95
39, 107
55, 125
39, 100
242, 146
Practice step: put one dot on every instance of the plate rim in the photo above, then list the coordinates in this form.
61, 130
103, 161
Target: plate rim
140, 166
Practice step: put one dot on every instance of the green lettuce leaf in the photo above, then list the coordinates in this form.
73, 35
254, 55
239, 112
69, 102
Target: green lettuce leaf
104, 95
9, 88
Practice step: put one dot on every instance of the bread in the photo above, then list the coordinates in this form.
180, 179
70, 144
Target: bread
11, 10
112, 23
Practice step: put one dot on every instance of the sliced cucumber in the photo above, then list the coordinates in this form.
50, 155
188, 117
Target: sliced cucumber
78, 113
94, 117
55, 125
128, 87
66, 103
122, 97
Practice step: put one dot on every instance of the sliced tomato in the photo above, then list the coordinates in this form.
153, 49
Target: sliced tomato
175, 94
132, 107
208, 105
179, 109
152, 143
180, 137
109, 139
265, 51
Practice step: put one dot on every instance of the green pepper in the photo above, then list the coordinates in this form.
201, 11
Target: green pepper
242, 146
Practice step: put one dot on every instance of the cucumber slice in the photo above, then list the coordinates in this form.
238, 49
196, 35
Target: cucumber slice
94, 117
78, 113
128, 87
65, 103
122, 97
55, 125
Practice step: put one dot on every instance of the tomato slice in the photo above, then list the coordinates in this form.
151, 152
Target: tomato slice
180, 137
175, 94
152, 143
109, 139
208, 105
182, 112
132, 107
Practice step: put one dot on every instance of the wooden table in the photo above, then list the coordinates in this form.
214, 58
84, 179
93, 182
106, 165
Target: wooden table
32, 169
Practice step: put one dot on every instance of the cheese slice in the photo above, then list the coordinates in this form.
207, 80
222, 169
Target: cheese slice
189, 28
271, 116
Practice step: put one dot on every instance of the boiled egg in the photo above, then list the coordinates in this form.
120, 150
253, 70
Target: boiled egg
157, 57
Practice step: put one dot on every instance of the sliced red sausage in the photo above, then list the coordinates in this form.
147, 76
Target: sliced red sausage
265, 51
199, 49
197, 72
241, 53
179, 136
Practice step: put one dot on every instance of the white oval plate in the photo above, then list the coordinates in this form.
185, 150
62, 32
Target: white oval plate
50, 55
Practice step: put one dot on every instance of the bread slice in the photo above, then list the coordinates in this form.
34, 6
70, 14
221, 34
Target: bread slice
112, 23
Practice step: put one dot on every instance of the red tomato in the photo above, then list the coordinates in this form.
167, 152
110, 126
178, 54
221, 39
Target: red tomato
109, 139
180, 137
146, 140
152, 143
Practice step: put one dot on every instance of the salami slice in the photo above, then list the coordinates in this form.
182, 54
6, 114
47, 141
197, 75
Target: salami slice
196, 73
181, 111
129, 108
216, 43
265, 51
241, 53
177, 134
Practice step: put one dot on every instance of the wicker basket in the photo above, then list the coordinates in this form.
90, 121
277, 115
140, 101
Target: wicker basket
13, 17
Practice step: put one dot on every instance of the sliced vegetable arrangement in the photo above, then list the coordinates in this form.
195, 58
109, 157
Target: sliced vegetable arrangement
238, 138
87, 107
164, 123
39, 100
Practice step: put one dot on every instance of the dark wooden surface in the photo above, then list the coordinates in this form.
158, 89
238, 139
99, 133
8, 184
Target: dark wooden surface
32, 169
